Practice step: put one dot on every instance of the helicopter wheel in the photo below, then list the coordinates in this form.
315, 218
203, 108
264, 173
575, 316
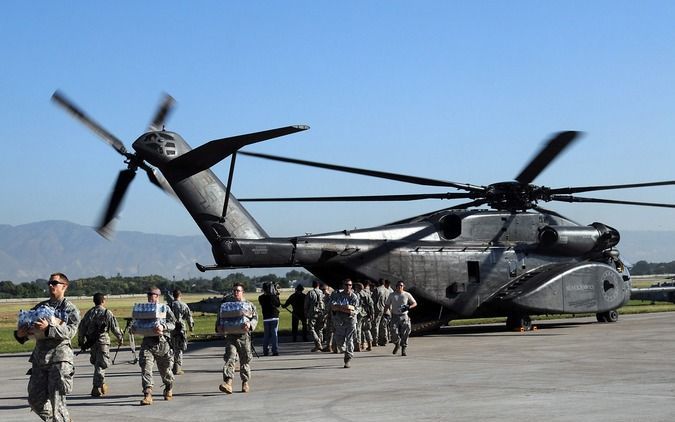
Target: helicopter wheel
609, 316
519, 322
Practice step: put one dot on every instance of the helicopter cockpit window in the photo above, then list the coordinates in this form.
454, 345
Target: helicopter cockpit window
451, 226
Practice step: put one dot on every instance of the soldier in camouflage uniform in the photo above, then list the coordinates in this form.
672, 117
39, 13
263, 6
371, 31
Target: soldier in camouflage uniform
157, 348
315, 313
179, 336
364, 338
93, 334
400, 302
344, 308
383, 316
239, 345
52, 370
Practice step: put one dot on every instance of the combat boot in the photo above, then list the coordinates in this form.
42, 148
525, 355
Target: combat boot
348, 362
226, 387
178, 370
104, 389
244, 387
147, 399
403, 353
396, 347
357, 347
96, 392
168, 393
317, 347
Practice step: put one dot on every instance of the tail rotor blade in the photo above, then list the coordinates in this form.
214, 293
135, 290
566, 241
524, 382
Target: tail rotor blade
124, 178
70, 107
163, 111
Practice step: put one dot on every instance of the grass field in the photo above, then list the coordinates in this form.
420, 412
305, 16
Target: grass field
205, 323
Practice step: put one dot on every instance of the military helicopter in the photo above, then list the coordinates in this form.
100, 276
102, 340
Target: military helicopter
514, 259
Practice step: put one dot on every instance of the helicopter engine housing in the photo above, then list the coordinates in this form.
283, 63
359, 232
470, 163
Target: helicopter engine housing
578, 240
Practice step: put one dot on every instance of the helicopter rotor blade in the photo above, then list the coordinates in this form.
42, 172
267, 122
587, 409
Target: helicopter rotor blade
121, 185
579, 189
551, 150
373, 173
570, 198
157, 123
75, 111
363, 198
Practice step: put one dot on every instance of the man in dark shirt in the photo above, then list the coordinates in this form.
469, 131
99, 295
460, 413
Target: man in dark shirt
297, 301
270, 303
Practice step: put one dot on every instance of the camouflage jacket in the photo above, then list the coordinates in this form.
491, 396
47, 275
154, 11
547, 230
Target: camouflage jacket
55, 347
97, 323
183, 316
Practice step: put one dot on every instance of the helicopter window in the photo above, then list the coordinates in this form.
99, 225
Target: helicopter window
451, 226
170, 152
473, 271
170, 145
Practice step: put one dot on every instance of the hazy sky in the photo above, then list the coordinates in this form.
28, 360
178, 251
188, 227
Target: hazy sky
462, 91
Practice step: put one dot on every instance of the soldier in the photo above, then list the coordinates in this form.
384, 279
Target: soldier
328, 328
179, 338
365, 339
315, 313
344, 308
93, 334
157, 348
51, 374
385, 314
297, 301
239, 345
400, 302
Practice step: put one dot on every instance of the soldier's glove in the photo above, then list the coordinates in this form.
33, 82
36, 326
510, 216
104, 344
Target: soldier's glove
405, 308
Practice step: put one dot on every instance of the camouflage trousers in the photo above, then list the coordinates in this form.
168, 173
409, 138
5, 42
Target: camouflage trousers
156, 349
400, 329
345, 329
237, 345
315, 324
47, 390
179, 345
383, 331
100, 358
366, 335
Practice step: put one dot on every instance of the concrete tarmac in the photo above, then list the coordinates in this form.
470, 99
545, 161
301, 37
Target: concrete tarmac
566, 370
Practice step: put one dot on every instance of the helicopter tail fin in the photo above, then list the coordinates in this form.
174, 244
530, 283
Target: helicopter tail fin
205, 156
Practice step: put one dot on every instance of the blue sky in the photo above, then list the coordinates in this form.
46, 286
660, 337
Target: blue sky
462, 91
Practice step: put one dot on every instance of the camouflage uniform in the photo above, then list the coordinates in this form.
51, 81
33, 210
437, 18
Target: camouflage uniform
179, 336
366, 316
345, 324
239, 345
382, 316
95, 326
316, 315
158, 348
52, 369
400, 321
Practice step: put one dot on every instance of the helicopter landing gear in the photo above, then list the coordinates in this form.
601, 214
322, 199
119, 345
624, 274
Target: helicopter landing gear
519, 323
609, 316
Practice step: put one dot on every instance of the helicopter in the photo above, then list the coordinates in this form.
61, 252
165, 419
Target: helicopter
498, 253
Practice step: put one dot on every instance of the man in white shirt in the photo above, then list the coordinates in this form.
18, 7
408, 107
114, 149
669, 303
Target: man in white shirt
400, 302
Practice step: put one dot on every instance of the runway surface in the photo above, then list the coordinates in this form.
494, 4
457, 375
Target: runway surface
567, 370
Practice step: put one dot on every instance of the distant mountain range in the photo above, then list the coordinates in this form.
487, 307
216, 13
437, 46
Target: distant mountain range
32, 251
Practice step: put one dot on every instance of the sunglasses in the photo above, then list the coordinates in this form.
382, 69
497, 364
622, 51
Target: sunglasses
238, 291
348, 285
54, 282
